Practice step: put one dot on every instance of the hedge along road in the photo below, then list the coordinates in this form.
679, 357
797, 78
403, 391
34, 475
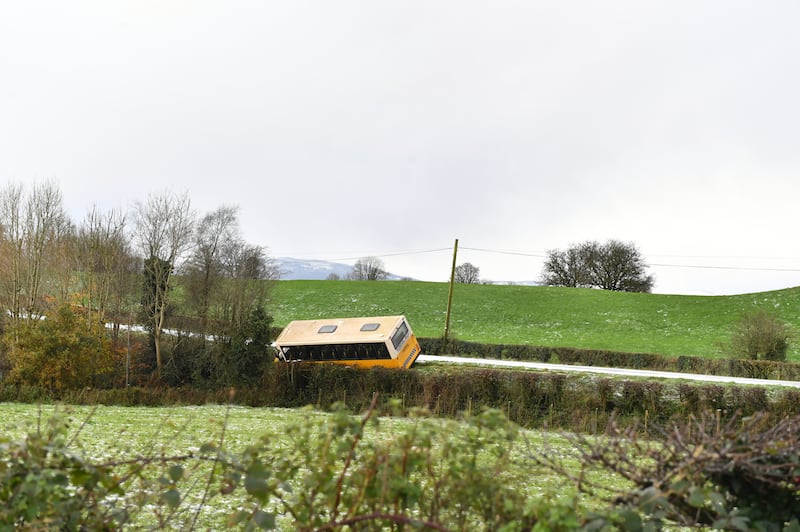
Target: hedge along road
622, 372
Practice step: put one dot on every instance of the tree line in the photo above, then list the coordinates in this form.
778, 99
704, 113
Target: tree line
612, 265
159, 265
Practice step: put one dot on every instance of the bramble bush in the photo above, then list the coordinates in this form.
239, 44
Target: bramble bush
740, 474
434, 476
45, 485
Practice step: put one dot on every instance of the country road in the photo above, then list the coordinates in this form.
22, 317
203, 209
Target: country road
622, 372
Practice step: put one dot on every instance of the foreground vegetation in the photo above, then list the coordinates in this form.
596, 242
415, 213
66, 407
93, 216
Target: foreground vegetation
672, 325
215, 467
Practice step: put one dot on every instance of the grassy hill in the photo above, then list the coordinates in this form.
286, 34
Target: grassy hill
549, 316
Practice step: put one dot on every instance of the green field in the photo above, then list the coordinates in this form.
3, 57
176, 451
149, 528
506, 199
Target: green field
671, 325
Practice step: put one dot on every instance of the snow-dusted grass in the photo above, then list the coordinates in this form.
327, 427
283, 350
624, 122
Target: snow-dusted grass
111, 434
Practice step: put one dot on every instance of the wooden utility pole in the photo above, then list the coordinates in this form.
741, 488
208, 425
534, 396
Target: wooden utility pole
450, 296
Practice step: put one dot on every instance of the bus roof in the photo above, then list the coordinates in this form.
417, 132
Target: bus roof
339, 330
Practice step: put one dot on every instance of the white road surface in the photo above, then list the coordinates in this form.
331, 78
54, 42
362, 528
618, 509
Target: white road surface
623, 372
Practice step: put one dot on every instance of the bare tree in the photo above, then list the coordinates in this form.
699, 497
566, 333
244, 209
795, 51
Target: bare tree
162, 232
11, 216
468, 273
368, 269
565, 268
32, 228
61, 266
613, 265
124, 296
46, 224
247, 272
225, 276
204, 266
102, 250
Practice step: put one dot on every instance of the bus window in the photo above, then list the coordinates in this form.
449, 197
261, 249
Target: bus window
317, 353
400, 335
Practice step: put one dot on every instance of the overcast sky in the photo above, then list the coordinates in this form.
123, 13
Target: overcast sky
344, 129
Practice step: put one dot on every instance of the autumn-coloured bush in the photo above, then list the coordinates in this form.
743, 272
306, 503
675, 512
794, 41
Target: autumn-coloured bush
68, 349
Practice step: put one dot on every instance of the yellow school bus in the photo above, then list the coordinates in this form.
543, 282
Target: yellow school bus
385, 341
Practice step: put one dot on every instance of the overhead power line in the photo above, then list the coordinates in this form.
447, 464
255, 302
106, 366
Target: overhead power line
742, 268
698, 266
539, 254
391, 254
506, 252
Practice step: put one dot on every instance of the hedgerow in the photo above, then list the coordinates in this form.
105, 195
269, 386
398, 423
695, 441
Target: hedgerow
734, 367
532, 399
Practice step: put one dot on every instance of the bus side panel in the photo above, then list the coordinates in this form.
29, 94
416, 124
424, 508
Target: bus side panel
409, 354
366, 364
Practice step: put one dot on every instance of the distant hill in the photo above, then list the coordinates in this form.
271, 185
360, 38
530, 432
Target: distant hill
315, 270
310, 270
